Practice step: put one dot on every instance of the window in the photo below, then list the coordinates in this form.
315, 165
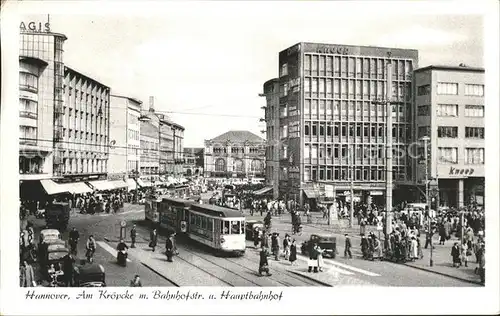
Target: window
448, 154
447, 110
284, 70
474, 156
424, 90
448, 131
424, 110
307, 130
314, 151
474, 90
307, 151
28, 81
474, 132
448, 88
474, 110
220, 165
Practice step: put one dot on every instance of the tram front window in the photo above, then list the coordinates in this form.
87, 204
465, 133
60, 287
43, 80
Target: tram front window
235, 227
225, 227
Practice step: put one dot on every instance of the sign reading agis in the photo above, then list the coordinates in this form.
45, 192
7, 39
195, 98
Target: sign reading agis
37, 27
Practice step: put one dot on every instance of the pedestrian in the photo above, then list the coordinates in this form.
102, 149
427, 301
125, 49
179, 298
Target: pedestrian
286, 246
136, 281
275, 246
362, 227
455, 254
133, 235
256, 236
313, 259
27, 275
293, 253
321, 263
68, 262
263, 263
348, 245
413, 249
464, 252
169, 248
364, 246
482, 264
153, 239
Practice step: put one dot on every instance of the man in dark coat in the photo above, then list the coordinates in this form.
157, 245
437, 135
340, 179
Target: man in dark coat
169, 248
455, 254
263, 263
348, 246
313, 258
153, 239
133, 235
68, 262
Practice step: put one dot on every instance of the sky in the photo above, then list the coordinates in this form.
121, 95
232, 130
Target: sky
213, 58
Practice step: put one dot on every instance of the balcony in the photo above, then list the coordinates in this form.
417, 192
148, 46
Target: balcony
27, 141
28, 114
29, 88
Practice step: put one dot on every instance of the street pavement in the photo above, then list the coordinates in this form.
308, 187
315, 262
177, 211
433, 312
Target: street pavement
198, 266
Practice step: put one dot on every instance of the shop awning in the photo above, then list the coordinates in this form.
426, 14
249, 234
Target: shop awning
52, 187
311, 194
118, 184
101, 185
263, 191
144, 184
132, 185
77, 187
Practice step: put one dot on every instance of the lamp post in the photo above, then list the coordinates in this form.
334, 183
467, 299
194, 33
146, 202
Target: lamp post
351, 209
426, 139
144, 119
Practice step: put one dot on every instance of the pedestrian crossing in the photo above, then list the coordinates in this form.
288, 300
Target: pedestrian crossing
109, 249
340, 268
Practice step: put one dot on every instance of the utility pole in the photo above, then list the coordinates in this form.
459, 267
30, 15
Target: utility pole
351, 210
425, 139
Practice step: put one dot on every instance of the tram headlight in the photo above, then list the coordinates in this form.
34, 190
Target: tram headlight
222, 240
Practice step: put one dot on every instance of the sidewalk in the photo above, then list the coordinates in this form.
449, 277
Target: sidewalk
441, 254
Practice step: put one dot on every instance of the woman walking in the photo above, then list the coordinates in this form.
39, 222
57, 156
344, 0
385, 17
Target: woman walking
465, 253
293, 252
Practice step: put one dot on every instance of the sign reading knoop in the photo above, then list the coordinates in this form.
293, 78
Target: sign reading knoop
333, 50
461, 171
37, 27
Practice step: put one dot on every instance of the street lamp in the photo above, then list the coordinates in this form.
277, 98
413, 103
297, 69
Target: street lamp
351, 210
142, 118
426, 139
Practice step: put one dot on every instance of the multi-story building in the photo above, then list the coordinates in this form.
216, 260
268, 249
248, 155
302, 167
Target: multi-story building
41, 72
331, 130
124, 135
149, 144
84, 129
178, 149
235, 154
450, 112
193, 165
166, 145
272, 119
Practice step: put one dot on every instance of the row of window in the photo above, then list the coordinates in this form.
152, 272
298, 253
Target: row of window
238, 165
235, 150
353, 66
28, 81
314, 151
452, 132
314, 173
451, 88
134, 135
450, 155
83, 136
451, 110
33, 165
353, 129
28, 132
79, 165
352, 89
352, 109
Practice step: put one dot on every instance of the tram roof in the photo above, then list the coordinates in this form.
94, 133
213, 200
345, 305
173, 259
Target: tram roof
215, 210
177, 201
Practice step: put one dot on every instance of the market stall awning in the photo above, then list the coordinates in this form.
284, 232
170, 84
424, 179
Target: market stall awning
263, 191
52, 187
311, 194
132, 185
119, 184
77, 187
101, 185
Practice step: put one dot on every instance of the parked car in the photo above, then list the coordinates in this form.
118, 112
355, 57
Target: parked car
250, 226
326, 242
49, 234
89, 275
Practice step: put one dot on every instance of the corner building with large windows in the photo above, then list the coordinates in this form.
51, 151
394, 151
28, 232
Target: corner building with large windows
332, 131
450, 112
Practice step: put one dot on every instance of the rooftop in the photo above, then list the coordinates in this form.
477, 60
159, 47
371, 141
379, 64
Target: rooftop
71, 70
238, 137
461, 67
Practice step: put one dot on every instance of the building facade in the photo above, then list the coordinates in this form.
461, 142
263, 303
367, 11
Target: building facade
166, 145
450, 111
149, 144
235, 154
178, 149
331, 131
193, 165
124, 135
41, 73
272, 119
84, 128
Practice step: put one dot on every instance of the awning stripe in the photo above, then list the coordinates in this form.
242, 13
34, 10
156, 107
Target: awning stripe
52, 187
76, 187
311, 194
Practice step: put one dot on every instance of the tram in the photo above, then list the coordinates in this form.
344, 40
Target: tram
219, 228
151, 208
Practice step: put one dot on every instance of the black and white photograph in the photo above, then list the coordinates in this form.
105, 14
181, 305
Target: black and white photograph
241, 145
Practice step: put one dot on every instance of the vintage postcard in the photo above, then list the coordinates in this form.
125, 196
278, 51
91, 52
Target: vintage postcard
249, 157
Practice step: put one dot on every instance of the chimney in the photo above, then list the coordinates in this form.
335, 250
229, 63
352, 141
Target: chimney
151, 104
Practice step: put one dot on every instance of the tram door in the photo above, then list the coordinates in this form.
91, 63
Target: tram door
217, 232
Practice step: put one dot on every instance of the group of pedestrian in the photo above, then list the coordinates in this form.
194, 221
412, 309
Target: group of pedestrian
170, 245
